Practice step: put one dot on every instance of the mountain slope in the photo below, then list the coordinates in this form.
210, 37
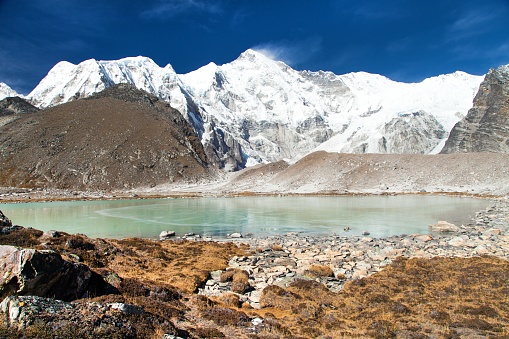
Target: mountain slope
485, 127
257, 110
119, 138
339, 173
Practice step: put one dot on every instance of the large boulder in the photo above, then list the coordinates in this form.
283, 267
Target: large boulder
4, 221
443, 227
41, 273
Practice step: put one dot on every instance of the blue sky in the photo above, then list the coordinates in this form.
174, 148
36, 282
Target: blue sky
403, 40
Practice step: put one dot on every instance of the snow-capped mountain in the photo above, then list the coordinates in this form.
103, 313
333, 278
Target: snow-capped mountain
255, 109
6, 91
66, 81
284, 113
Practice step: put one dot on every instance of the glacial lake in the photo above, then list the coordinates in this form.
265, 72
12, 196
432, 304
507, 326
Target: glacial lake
260, 216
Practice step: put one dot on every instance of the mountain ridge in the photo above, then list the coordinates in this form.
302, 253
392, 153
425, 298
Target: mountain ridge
256, 110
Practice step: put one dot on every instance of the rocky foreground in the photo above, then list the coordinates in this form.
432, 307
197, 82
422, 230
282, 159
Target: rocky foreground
450, 283
281, 259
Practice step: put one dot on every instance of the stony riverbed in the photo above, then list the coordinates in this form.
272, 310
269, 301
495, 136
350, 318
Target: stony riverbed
283, 258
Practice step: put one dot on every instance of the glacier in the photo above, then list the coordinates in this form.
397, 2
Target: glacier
255, 109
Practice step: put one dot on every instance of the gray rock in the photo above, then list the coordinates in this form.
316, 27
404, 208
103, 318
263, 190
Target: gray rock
41, 273
164, 235
126, 308
4, 221
443, 226
485, 127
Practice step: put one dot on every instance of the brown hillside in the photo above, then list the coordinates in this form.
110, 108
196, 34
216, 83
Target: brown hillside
119, 138
337, 173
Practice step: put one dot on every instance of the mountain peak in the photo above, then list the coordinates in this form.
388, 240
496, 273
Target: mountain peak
137, 60
253, 55
6, 91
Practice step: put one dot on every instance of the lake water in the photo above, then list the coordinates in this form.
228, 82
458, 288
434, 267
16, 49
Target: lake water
261, 216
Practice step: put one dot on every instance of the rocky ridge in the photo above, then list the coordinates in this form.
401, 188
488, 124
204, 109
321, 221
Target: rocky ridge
335, 173
258, 110
484, 128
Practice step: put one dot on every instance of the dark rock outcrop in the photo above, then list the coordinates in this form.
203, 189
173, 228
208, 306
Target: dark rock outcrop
486, 126
4, 221
41, 273
16, 105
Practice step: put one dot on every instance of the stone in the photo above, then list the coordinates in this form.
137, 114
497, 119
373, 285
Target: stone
4, 221
457, 242
50, 234
424, 238
235, 235
165, 235
494, 231
481, 250
41, 273
126, 308
358, 274
255, 296
443, 226
365, 233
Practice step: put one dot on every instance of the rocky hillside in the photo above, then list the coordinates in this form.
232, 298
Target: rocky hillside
119, 138
335, 173
485, 128
255, 109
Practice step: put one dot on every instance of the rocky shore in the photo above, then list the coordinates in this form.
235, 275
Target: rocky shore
334, 260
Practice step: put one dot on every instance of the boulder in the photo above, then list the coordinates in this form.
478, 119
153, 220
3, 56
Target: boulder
443, 226
60, 319
236, 235
41, 273
165, 235
4, 221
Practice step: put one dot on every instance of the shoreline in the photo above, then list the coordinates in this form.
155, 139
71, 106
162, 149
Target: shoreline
279, 260
22, 195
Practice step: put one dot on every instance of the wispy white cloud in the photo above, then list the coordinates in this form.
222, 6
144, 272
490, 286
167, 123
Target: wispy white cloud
292, 53
476, 19
171, 8
469, 24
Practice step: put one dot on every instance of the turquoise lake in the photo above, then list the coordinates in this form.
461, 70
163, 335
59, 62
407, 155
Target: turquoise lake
260, 216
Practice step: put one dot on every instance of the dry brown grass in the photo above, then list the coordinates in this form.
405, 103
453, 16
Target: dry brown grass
319, 271
239, 279
413, 298
182, 264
